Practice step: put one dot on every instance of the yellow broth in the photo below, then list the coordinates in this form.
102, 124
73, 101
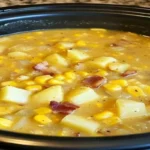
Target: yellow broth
75, 82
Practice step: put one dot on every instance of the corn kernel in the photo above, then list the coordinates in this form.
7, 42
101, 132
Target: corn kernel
69, 80
70, 75
34, 88
59, 77
81, 43
29, 37
112, 121
9, 83
17, 70
5, 122
56, 118
43, 110
101, 35
42, 79
112, 87
42, 119
36, 60
83, 73
146, 89
28, 82
102, 73
99, 105
61, 133
103, 115
22, 77
135, 91
55, 82
120, 82
77, 34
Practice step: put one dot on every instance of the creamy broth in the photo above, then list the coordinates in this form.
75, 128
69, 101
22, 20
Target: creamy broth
75, 82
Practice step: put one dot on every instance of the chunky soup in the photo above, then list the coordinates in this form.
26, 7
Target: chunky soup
75, 82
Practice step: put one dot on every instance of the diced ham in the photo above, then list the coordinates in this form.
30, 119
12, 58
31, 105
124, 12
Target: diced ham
43, 66
129, 73
120, 43
94, 81
62, 107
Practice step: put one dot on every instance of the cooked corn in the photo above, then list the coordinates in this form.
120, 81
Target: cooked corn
135, 91
120, 82
5, 122
28, 82
81, 43
34, 88
112, 121
42, 79
22, 78
59, 77
42, 119
70, 75
103, 115
83, 73
55, 82
102, 73
99, 105
43, 110
9, 83
112, 87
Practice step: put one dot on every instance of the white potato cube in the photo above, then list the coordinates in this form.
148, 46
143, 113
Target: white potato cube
80, 123
119, 67
130, 108
101, 62
13, 94
77, 55
82, 95
45, 96
56, 59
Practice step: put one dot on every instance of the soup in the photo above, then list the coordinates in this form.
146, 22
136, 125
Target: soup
75, 82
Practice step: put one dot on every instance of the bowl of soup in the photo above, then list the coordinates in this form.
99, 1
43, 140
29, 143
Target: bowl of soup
75, 77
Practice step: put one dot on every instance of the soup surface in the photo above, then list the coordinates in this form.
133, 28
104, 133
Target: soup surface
75, 82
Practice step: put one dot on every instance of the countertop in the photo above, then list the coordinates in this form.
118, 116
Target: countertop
144, 3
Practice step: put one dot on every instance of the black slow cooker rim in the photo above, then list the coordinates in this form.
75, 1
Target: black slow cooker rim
13, 139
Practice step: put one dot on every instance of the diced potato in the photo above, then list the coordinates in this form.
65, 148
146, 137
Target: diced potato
101, 62
45, 96
80, 123
82, 95
56, 59
18, 55
13, 94
77, 55
118, 67
130, 108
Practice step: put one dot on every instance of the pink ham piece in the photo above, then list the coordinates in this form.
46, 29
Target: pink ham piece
94, 81
43, 66
129, 73
62, 107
